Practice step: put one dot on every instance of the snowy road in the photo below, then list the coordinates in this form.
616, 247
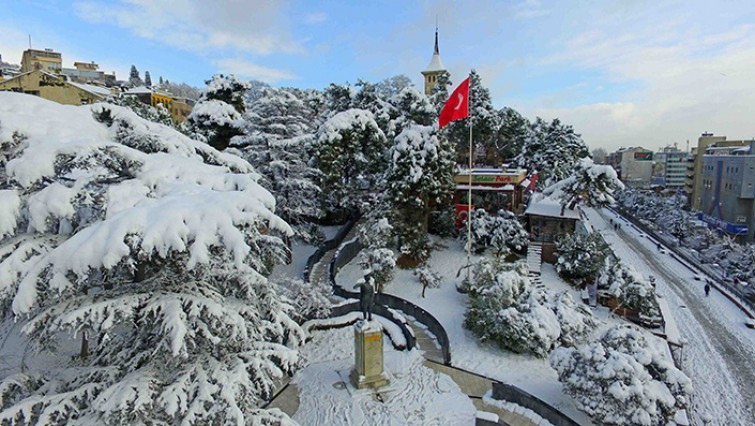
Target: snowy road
719, 354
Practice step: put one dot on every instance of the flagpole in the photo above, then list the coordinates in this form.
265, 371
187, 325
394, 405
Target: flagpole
469, 197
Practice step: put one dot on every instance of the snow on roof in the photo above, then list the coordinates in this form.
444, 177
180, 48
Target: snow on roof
97, 90
550, 208
435, 64
139, 89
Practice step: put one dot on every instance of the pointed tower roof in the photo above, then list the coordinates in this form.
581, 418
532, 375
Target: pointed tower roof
435, 63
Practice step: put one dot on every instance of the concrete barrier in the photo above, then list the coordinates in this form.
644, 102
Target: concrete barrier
504, 392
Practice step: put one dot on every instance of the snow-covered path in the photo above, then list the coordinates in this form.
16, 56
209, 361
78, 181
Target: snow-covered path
719, 354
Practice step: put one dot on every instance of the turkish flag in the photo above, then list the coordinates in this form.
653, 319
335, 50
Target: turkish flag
457, 106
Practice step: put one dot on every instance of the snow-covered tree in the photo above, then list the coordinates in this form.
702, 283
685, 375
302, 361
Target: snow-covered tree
420, 177
278, 143
350, 152
553, 149
622, 379
441, 93
158, 114
217, 115
152, 247
581, 257
512, 133
484, 120
147, 79
411, 108
376, 259
505, 308
427, 278
502, 232
134, 79
590, 183
632, 289
339, 98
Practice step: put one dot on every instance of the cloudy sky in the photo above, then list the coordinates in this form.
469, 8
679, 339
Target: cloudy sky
622, 72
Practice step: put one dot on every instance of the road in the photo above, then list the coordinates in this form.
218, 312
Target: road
719, 354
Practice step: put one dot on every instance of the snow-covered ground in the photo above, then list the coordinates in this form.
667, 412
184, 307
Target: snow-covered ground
446, 304
416, 394
719, 353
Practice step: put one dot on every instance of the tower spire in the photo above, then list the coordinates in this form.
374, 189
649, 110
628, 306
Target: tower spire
436, 52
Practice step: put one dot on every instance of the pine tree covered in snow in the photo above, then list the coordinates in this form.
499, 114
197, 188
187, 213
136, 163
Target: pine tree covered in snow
420, 177
512, 133
217, 115
134, 79
484, 120
553, 149
278, 143
593, 184
581, 257
350, 152
412, 108
505, 308
502, 233
376, 259
150, 246
622, 379
632, 289
147, 79
339, 98
441, 91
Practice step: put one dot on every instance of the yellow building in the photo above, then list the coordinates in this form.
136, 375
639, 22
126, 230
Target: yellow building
54, 88
179, 108
44, 60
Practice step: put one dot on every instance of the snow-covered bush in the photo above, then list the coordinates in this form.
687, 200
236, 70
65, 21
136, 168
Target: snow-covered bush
622, 379
502, 233
151, 248
310, 300
581, 257
632, 289
376, 259
506, 309
593, 184
216, 117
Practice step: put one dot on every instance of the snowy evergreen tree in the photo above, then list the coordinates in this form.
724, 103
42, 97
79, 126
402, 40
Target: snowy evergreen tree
593, 184
339, 98
350, 152
161, 82
420, 177
412, 108
505, 308
581, 257
553, 149
622, 379
278, 143
147, 79
632, 289
134, 79
512, 133
153, 248
503, 233
376, 259
441, 91
484, 121
370, 99
216, 118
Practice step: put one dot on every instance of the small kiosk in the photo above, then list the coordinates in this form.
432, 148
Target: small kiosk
492, 190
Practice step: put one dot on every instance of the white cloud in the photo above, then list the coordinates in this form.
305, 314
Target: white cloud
244, 68
246, 26
316, 18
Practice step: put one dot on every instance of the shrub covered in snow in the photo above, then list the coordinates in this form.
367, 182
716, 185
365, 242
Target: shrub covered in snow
427, 278
632, 289
581, 257
150, 247
622, 379
593, 184
501, 233
216, 117
506, 309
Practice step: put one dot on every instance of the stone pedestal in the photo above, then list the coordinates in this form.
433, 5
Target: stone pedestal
368, 349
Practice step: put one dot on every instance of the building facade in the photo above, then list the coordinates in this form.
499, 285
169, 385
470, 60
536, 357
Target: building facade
694, 182
727, 192
54, 88
634, 165
41, 60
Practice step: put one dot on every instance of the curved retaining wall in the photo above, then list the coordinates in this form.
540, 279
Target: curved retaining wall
346, 254
502, 391
327, 246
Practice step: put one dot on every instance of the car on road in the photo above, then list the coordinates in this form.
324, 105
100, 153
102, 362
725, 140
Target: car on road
699, 277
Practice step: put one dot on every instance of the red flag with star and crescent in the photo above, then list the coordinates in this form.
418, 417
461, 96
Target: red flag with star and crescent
457, 106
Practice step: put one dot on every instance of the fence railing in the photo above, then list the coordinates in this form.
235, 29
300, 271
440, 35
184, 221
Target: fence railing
502, 391
346, 254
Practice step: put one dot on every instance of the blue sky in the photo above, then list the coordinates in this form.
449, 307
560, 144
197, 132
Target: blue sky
622, 72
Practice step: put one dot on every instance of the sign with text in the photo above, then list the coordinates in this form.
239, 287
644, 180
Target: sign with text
643, 156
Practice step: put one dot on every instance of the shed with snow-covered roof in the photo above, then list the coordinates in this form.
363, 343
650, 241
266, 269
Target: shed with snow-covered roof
547, 221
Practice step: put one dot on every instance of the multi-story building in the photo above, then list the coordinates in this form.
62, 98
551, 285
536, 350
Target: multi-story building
44, 60
54, 87
694, 182
179, 108
88, 72
634, 165
727, 190
670, 166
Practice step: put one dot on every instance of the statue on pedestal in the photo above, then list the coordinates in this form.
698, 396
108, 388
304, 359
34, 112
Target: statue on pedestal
366, 296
